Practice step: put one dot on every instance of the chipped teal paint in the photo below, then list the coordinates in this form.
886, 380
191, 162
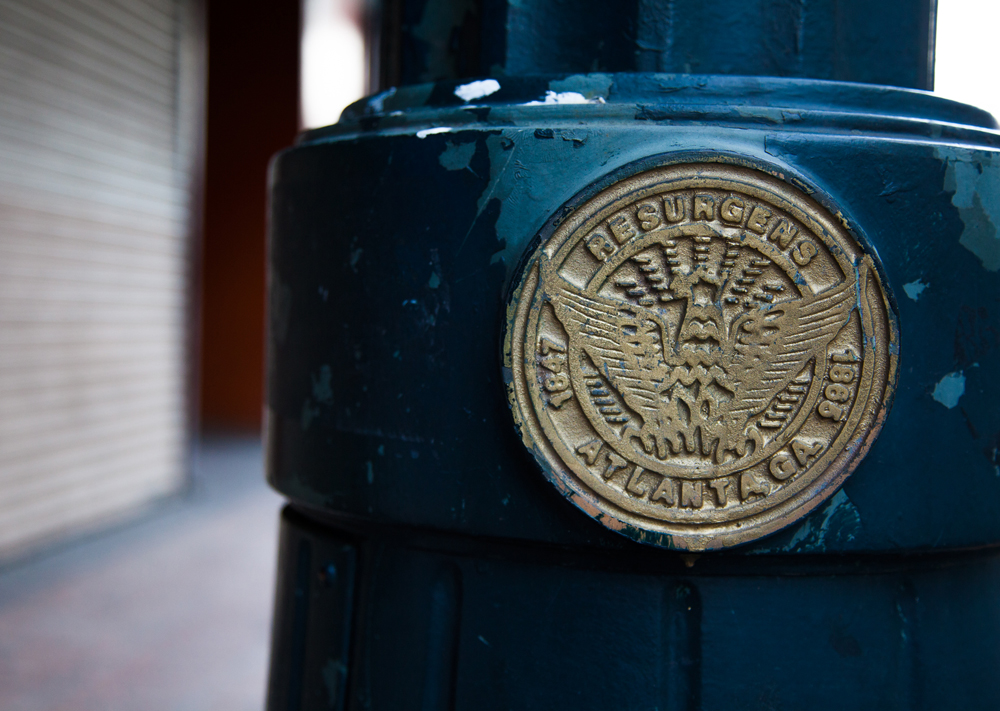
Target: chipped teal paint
837, 521
975, 182
950, 389
527, 170
322, 394
589, 86
915, 288
456, 156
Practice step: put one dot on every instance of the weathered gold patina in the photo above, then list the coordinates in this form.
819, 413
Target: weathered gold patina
699, 355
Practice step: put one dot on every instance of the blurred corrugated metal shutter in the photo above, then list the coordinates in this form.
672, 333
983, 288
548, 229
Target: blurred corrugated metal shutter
100, 124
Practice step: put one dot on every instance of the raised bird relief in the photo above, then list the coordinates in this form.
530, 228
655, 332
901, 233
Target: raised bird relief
698, 351
697, 366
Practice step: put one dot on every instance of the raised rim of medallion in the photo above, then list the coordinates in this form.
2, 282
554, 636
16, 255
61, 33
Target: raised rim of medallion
852, 443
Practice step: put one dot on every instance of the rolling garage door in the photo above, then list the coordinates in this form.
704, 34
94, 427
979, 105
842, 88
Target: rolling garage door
100, 125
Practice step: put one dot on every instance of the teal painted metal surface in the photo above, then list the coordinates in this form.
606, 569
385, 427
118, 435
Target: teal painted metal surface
395, 238
888, 43
388, 362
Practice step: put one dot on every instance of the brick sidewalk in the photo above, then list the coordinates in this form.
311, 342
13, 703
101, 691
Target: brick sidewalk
169, 613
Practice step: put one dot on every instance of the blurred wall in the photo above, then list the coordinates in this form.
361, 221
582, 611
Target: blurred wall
100, 138
253, 111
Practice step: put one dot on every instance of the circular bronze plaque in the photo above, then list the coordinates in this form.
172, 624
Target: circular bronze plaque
699, 355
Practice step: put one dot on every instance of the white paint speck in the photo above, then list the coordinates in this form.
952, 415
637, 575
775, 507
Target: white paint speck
431, 131
914, 289
949, 389
477, 89
564, 97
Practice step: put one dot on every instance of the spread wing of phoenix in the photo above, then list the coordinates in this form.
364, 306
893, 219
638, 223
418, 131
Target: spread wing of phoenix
697, 385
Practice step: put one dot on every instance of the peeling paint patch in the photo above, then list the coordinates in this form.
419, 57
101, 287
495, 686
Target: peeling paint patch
477, 89
969, 177
457, 156
837, 522
522, 170
563, 97
591, 86
431, 131
950, 389
914, 289
984, 242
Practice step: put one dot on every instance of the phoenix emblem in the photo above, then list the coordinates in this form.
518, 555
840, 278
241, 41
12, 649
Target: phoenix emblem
692, 374
699, 353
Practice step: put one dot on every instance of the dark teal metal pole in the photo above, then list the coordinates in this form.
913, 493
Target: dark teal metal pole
427, 563
888, 43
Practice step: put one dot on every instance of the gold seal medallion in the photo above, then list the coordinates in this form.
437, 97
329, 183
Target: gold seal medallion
699, 355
